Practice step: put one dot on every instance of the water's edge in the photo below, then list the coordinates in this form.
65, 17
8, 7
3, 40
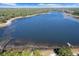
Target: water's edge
12, 19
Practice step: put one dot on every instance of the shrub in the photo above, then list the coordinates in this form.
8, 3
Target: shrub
65, 51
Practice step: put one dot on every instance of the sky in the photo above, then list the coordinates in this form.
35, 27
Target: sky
39, 1
39, 5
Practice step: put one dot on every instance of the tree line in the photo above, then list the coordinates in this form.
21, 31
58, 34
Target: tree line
7, 13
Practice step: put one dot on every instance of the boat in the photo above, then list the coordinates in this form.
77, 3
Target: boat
69, 44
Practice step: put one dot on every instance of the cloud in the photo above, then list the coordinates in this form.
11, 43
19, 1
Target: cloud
59, 5
9, 4
44, 4
39, 5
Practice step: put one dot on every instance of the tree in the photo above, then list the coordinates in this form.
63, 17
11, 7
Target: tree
65, 51
26, 53
36, 53
8, 13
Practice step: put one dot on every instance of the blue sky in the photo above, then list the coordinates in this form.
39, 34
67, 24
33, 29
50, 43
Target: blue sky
39, 5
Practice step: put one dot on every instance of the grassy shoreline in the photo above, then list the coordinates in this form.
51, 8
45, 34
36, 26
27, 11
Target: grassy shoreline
73, 15
12, 19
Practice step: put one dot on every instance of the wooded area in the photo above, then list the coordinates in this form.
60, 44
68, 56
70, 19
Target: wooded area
7, 13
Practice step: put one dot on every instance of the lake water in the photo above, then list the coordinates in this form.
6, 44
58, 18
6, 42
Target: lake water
52, 28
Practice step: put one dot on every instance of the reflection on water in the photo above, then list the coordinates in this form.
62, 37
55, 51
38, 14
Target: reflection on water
49, 29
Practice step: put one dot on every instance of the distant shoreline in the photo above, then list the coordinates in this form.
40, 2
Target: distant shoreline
10, 20
75, 16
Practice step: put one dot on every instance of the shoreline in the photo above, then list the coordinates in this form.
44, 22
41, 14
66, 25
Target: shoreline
2, 25
68, 14
12, 19
74, 17
8, 22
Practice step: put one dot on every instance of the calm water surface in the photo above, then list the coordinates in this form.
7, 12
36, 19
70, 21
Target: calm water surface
52, 28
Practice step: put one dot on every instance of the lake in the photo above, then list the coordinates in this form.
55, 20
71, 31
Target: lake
52, 28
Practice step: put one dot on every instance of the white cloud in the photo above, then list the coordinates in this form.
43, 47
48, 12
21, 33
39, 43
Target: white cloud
41, 5
57, 5
44, 4
10, 4
39, 1
47, 5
